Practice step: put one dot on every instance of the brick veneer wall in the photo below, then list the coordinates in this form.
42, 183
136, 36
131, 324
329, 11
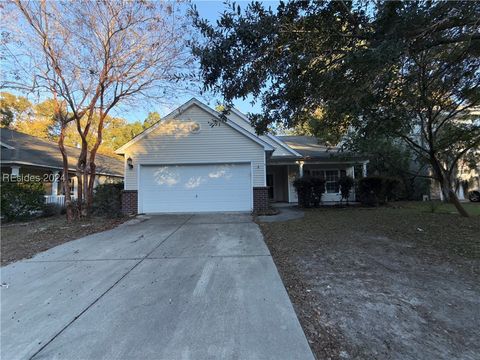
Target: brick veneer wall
260, 198
129, 202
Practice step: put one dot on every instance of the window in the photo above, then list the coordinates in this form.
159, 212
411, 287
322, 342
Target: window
331, 181
331, 178
318, 173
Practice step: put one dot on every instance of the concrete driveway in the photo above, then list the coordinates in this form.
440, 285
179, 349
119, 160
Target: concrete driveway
170, 287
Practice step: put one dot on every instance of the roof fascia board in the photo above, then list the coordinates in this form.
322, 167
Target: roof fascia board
270, 136
315, 162
6, 145
13, 162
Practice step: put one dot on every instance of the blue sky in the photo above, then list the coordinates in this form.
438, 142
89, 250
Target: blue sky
210, 10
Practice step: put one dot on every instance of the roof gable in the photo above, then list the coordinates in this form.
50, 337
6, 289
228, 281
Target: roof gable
185, 107
271, 137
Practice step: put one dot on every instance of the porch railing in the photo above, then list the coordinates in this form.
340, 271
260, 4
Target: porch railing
57, 199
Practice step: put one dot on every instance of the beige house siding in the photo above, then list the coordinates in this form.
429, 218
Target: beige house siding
279, 150
174, 143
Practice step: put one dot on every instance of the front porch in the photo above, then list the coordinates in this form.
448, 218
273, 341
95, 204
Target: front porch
50, 179
280, 178
57, 199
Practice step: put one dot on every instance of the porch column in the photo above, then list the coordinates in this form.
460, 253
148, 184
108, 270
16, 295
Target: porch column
55, 182
75, 186
300, 168
351, 171
15, 171
364, 169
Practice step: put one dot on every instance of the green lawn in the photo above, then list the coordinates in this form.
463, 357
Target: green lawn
439, 207
377, 283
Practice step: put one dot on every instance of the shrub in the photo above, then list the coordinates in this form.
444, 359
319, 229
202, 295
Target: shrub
107, 200
393, 189
370, 190
346, 184
375, 190
309, 191
21, 200
52, 210
303, 187
318, 188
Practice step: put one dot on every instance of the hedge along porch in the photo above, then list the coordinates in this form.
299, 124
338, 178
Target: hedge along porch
281, 176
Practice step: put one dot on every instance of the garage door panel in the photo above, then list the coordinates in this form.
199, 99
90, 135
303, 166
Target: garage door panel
195, 188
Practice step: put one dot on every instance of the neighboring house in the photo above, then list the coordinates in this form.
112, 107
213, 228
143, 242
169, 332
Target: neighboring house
467, 178
27, 157
191, 161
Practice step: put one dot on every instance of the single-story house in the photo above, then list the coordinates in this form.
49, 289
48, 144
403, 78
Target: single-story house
191, 161
29, 158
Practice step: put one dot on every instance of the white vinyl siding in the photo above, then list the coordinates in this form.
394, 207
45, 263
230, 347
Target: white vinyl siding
173, 143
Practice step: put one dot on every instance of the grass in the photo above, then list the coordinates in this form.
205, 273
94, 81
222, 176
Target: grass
439, 207
25, 239
398, 269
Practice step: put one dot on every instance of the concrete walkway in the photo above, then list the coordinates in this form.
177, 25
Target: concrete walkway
286, 212
169, 287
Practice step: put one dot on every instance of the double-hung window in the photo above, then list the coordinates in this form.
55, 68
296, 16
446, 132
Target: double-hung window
331, 178
331, 181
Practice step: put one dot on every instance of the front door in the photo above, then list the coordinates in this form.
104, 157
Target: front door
270, 186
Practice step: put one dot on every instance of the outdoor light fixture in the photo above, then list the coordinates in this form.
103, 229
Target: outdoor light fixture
130, 163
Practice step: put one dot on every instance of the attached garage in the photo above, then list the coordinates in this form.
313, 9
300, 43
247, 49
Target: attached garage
193, 161
195, 188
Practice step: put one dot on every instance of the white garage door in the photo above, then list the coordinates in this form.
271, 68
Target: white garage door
195, 188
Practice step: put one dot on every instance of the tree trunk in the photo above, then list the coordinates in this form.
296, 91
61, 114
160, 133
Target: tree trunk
450, 195
93, 153
70, 213
91, 183
80, 171
79, 174
93, 173
86, 176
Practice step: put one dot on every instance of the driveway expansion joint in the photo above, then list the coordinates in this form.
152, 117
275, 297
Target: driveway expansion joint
106, 291
77, 307
80, 260
206, 256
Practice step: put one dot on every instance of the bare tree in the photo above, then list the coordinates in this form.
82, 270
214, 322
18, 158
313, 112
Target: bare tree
94, 56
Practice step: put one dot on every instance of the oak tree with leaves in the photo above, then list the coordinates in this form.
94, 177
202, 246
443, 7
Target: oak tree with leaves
408, 71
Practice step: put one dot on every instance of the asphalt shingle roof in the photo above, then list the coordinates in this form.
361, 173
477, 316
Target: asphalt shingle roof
35, 151
309, 147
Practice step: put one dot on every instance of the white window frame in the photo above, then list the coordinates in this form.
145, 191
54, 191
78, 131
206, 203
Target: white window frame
326, 181
323, 175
